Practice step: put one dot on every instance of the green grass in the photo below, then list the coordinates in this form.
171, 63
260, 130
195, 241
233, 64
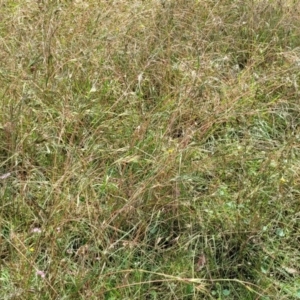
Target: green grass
149, 150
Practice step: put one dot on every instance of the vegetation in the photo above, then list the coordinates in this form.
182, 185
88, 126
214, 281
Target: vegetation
150, 149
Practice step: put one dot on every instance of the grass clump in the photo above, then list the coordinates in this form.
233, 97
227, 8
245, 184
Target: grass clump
149, 150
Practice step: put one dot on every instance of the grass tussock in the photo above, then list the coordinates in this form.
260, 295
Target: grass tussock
149, 149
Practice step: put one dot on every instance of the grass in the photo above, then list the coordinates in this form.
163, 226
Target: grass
149, 150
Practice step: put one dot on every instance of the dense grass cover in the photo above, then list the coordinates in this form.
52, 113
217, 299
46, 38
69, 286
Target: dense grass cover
149, 149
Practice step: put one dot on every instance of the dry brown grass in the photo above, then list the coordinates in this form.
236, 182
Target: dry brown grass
149, 149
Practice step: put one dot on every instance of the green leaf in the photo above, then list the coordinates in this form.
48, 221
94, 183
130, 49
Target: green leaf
189, 289
280, 232
226, 292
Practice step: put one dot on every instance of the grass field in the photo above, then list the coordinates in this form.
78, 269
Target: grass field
150, 149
